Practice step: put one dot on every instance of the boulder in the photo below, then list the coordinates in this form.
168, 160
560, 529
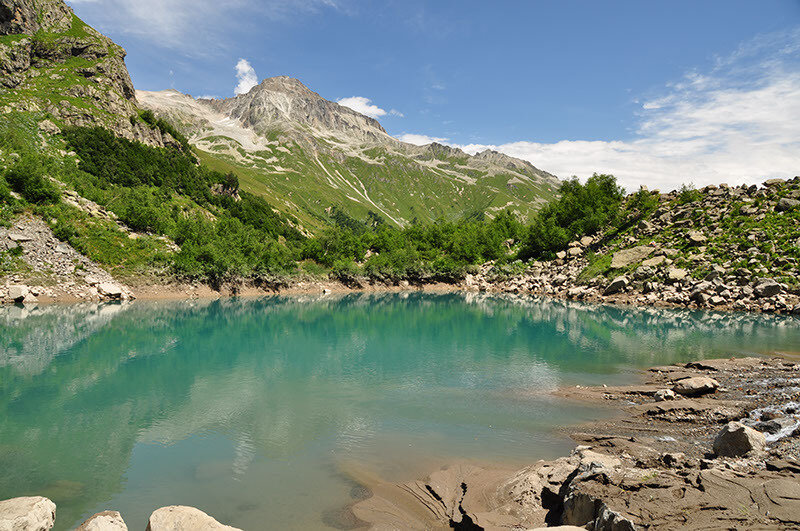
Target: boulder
586, 241
19, 238
655, 261
33, 513
110, 290
696, 237
575, 251
785, 204
18, 293
626, 257
767, 288
561, 255
695, 386
617, 285
665, 394
675, 274
738, 440
105, 521
182, 518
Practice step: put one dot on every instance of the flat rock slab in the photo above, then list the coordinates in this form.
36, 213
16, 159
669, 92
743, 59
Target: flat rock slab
33, 513
630, 256
691, 410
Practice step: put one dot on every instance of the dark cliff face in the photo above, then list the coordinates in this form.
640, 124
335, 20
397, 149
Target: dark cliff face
53, 64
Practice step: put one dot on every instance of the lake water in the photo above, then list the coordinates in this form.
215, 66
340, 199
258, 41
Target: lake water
252, 410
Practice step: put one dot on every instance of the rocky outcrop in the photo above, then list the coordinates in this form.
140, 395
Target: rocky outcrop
32, 78
30, 16
664, 261
27, 514
182, 518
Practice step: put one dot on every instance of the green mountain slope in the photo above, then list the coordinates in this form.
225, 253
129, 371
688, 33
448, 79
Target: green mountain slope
307, 155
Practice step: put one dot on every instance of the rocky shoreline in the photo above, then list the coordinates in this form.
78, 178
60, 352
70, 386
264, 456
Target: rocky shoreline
706, 445
681, 256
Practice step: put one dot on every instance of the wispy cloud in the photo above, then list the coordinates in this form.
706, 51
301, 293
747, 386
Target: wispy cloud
420, 140
736, 123
189, 25
246, 76
366, 107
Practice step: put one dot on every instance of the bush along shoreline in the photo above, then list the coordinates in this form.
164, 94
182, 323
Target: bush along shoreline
149, 216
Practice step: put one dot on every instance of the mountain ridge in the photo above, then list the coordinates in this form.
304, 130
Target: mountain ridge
281, 129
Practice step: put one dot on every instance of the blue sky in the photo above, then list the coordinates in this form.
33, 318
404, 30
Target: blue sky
658, 93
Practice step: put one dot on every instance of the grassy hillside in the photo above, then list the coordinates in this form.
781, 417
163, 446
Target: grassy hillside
397, 187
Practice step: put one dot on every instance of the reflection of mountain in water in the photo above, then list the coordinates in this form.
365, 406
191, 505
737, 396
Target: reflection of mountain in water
81, 385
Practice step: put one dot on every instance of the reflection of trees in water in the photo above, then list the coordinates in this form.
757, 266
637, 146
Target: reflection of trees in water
32, 337
80, 385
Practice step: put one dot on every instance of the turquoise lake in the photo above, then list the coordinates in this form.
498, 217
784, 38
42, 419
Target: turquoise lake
254, 409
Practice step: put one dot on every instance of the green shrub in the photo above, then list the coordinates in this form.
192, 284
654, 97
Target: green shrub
581, 210
27, 177
688, 194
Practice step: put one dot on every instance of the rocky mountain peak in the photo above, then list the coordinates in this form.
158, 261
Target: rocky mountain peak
506, 161
286, 104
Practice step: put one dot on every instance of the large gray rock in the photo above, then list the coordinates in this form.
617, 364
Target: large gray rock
105, 521
696, 237
626, 257
785, 204
18, 293
767, 288
33, 513
695, 386
110, 290
617, 285
738, 440
674, 274
182, 518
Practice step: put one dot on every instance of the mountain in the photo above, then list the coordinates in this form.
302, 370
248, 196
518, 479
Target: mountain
304, 154
308, 155
57, 67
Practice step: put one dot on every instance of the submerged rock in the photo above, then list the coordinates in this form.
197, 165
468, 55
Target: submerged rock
738, 440
182, 518
33, 513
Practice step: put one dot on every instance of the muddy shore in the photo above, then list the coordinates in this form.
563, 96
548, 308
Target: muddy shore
661, 463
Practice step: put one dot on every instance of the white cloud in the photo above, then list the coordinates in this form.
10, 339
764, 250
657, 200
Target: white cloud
246, 75
190, 25
395, 112
420, 140
364, 106
737, 123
